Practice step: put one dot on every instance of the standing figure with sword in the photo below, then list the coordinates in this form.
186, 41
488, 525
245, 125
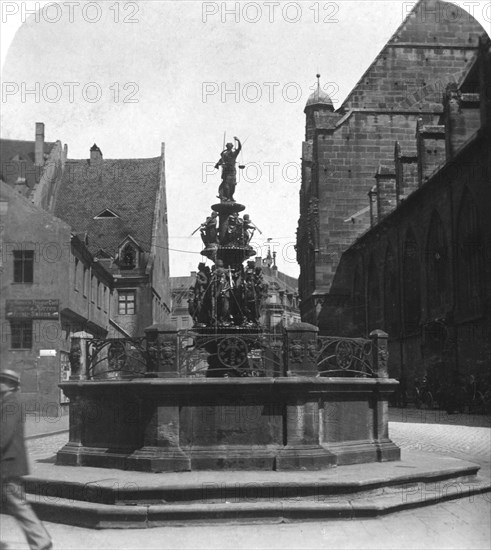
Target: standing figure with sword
229, 173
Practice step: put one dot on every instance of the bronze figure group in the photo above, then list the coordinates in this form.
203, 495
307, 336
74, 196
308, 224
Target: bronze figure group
228, 297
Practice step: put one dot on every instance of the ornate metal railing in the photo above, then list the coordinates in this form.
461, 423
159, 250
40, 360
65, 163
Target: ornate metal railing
116, 358
230, 355
345, 357
235, 354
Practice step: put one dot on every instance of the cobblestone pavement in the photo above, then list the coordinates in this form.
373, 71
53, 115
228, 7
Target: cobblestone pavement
436, 416
463, 523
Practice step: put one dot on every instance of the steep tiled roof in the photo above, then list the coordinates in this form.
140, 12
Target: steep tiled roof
280, 281
436, 25
127, 187
14, 152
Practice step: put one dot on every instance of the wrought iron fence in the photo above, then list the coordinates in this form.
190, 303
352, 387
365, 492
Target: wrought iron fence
229, 355
345, 357
194, 354
116, 358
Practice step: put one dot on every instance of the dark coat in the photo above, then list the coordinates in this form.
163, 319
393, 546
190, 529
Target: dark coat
13, 457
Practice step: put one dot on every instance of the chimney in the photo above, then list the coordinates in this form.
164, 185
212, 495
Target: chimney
431, 149
386, 190
95, 155
39, 145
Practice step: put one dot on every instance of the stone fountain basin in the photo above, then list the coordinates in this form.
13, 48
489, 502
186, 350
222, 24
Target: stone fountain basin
182, 424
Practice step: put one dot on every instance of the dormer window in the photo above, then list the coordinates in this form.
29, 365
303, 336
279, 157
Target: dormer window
128, 257
129, 254
105, 214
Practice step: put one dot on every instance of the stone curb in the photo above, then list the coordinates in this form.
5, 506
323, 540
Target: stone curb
105, 516
45, 434
108, 490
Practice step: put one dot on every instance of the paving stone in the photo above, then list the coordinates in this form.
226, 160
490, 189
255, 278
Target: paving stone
457, 524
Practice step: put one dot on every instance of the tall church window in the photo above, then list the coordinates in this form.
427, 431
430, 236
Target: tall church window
374, 320
391, 294
437, 267
358, 300
470, 258
411, 281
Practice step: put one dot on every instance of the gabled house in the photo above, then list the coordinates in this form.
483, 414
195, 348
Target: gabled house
120, 205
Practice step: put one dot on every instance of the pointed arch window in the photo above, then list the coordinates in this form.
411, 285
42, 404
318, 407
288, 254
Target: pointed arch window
373, 301
358, 300
470, 258
437, 267
391, 294
411, 284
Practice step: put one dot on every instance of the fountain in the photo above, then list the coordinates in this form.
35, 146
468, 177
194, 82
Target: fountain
228, 395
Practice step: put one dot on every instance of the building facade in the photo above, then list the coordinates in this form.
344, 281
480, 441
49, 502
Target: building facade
434, 46
422, 271
93, 256
120, 207
45, 298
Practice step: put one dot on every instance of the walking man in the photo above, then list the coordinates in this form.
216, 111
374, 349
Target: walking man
13, 464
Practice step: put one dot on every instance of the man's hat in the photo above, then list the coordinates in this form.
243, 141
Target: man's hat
10, 376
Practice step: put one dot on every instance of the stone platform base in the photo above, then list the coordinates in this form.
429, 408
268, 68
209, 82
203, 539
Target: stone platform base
110, 498
250, 423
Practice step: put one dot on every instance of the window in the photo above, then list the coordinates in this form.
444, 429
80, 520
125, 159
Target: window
126, 302
106, 214
75, 274
411, 284
104, 298
374, 310
99, 294
470, 251
84, 282
128, 257
358, 300
21, 334
92, 289
391, 294
23, 266
437, 268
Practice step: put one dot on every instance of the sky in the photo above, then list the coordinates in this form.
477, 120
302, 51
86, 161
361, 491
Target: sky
131, 75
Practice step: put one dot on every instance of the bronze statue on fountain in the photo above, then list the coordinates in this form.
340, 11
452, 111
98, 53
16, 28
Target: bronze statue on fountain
229, 173
227, 299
